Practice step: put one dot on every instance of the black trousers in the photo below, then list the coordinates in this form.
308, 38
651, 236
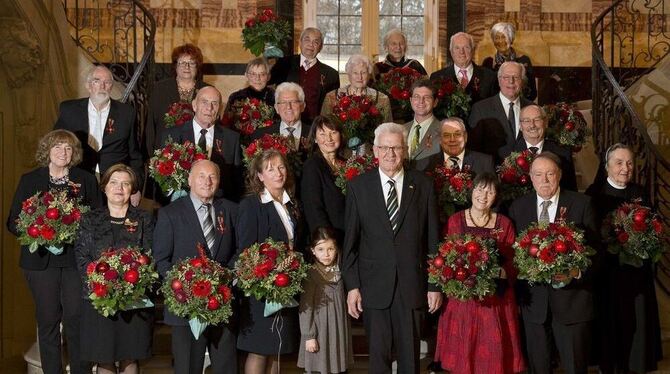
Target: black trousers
189, 353
57, 296
393, 330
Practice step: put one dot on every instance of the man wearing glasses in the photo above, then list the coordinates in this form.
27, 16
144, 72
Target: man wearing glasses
424, 129
534, 122
494, 122
391, 227
305, 69
105, 128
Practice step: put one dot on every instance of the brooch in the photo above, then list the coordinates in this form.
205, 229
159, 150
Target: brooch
323, 80
220, 224
109, 128
475, 84
131, 226
562, 213
219, 146
74, 187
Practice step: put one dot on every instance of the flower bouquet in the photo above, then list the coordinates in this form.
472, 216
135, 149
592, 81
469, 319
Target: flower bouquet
178, 114
452, 99
252, 114
567, 126
514, 175
170, 166
353, 167
199, 290
634, 234
453, 187
545, 250
50, 219
278, 142
271, 271
397, 84
465, 267
359, 117
266, 32
120, 279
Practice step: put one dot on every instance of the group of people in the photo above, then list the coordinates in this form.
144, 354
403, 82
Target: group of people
369, 246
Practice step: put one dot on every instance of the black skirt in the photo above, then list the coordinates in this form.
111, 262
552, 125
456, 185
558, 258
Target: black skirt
262, 335
125, 336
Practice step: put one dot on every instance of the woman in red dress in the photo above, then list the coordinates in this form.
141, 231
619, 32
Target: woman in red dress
483, 336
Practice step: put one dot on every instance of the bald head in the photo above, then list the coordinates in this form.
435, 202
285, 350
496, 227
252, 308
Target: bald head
203, 180
206, 106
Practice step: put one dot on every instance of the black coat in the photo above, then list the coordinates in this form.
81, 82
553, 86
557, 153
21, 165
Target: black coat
324, 202
259, 221
374, 258
478, 162
38, 181
178, 233
226, 153
119, 141
96, 236
483, 84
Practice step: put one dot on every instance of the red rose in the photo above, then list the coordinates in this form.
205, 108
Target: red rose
638, 217
131, 276
461, 274
271, 253
263, 18
448, 272
188, 275
201, 288
33, 231
264, 269
199, 156
268, 13
570, 126
343, 116
67, 219
509, 176
99, 289
250, 23
449, 87
47, 198
639, 226
472, 247
256, 115
48, 232
560, 246
351, 173
438, 262
225, 293
111, 274
282, 280
404, 95
345, 102
180, 296
52, 213
197, 262
90, 268
533, 249
295, 264
176, 155
456, 183
373, 111
522, 163
251, 149
76, 214
101, 267
547, 256
622, 237
144, 259
126, 258
213, 303
166, 168
176, 284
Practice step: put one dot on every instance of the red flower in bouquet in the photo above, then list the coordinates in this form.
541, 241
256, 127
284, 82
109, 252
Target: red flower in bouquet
453, 187
268, 271
452, 99
204, 294
251, 114
465, 267
634, 233
265, 28
120, 279
396, 84
49, 219
171, 164
278, 142
514, 174
358, 116
544, 250
353, 167
178, 114
567, 126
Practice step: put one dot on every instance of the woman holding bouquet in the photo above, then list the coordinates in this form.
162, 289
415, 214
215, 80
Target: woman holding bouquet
269, 211
126, 336
483, 336
52, 277
629, 332
324, 201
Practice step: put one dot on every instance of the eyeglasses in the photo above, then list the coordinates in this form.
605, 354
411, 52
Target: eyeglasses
422, 98
452, 135
99, 82
510, 78
290, 102
528, 121
187, 64
386, 149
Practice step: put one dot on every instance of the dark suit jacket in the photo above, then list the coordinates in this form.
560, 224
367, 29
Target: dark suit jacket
374, 257
483, 84
287, 69
488, 127
38, 181
322, 199
259, 221
479, 162
568, 176
574, 302
178, 233
95, 237
119, 140
430, 144
226, 152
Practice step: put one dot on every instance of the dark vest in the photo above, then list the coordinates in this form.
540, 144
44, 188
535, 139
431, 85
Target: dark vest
310, 83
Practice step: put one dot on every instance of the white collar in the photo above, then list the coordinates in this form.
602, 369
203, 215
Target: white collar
398, 176
266, 197
470, 68
539, 145
296, 125
460, 156
197, 127
104, 108
505, 101
311, 61
614, 185
553, 199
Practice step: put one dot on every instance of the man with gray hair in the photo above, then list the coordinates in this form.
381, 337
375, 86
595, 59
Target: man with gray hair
391, 227
315, 77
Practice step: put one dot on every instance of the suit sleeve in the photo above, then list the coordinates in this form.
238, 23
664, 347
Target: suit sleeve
83, 245
311, 190
163, 242
351, 242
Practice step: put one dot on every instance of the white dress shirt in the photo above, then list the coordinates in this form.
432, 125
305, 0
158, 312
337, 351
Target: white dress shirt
398, 179
97, 120
539, 146
281, 209
552, 208
460, 157
517, 111
209, 137
312, 62
470, 70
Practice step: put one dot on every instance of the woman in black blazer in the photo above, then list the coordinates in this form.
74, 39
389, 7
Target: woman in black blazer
126, 336
269, 211
53, 279
323, 200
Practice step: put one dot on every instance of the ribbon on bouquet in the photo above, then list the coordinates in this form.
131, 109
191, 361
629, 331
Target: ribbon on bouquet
197, 327
141, 303
277, 322
174, 195
55, 250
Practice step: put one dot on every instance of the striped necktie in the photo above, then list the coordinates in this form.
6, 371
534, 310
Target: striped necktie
208, 227
392, 205
544, 214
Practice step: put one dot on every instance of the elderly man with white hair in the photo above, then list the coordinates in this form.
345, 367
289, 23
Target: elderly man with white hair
391, 227
395, 44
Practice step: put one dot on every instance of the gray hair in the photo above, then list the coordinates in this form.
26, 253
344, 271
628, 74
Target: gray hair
358, 59
92, 70
471, 40
289, 86
391, 128
543, 113
547, 155
258, 61
311, 29
513, 63
392, 32
614, 147
455, 120
504, 28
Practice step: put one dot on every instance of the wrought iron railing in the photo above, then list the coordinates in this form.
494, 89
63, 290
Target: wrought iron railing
119, 34
629, 39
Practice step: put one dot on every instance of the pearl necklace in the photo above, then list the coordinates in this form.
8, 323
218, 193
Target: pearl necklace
488, 219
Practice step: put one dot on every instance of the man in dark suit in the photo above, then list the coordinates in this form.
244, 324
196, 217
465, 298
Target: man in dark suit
222, 145
478, 81
193, 220
562, 313
391, 224
454, 137
534, 122
315, 77
494, 122
105, 128
424, 130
